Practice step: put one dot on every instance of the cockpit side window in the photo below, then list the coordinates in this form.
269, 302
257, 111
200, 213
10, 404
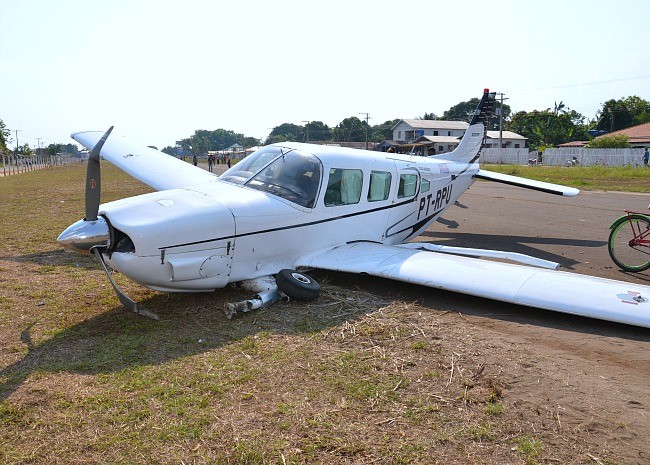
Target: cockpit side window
249, 166
294, 176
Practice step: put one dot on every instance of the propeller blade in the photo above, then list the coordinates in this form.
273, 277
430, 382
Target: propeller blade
93, 179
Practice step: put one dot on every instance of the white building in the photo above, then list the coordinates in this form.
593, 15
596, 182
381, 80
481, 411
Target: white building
443, 136
408, 130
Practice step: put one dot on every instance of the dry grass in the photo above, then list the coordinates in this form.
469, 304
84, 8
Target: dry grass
350, 378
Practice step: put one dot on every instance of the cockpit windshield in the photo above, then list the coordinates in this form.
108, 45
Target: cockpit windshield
286, 173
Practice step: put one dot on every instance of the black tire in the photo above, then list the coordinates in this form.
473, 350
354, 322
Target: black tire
627, 257
297, 285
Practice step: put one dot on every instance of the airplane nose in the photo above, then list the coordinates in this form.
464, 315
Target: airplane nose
83, 235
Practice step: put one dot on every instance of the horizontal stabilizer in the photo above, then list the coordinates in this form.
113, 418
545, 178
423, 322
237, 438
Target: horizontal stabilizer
547, 187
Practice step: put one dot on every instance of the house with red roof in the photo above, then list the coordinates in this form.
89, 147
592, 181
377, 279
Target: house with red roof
638, 136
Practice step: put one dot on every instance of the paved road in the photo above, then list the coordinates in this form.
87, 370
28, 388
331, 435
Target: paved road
572, 231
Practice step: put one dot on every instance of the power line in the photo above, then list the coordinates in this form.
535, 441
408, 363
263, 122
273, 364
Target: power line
594, 83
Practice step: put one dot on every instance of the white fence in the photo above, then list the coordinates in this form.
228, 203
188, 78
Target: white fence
15, 164
506, 156
560, 156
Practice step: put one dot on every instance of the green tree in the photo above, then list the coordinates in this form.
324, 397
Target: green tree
4, 138
25, 151
429, 116
56, 148
204, 140
248, 142
621, 114
384, 131
548, 128
317, 131
351, 129
617, 141
285, 132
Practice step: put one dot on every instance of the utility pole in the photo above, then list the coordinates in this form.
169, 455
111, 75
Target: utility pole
17, 131
307, 127
367, 118
501, 121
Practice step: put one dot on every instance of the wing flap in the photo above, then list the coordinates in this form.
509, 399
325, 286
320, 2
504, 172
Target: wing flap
559, 291
154, 168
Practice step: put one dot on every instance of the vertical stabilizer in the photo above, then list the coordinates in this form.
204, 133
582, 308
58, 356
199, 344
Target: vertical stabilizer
470, 145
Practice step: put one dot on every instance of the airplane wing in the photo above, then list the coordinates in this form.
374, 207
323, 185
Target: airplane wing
547, 289
542, 186
154, 168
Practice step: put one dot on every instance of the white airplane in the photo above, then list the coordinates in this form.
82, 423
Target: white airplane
291, 207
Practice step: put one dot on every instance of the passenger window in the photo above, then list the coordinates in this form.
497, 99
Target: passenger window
379, 186
408, 184
343, 187
425, 185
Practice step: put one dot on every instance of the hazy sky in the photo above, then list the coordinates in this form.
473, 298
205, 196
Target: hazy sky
158, 69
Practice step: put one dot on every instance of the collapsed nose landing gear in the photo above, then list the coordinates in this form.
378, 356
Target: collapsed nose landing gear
288, 284
128, 303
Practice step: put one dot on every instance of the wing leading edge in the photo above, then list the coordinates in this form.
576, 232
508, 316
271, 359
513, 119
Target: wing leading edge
154, 168
559, 291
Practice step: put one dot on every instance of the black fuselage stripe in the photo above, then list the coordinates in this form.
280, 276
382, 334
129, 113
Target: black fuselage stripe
293, 226
418, 225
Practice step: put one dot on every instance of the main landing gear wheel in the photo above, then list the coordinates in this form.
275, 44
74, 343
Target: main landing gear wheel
297, 285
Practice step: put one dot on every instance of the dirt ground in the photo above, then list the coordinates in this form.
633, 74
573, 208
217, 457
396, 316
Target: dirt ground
576, 373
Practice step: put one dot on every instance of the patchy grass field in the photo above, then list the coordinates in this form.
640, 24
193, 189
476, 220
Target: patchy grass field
350, 378
621, 178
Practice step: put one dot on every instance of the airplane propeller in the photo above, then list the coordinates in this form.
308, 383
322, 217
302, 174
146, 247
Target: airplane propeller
93, 230
93, 179
92, 234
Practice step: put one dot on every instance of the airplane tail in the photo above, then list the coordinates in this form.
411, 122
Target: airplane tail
470, 145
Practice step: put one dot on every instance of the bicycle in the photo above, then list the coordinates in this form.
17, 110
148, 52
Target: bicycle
629, 241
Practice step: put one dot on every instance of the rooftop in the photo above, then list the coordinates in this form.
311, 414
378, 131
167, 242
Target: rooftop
639, 134
434, 124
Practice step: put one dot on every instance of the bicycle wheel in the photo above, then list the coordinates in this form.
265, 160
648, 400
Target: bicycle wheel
625, 252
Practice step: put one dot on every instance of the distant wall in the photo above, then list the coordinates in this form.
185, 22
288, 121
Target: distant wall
560, 156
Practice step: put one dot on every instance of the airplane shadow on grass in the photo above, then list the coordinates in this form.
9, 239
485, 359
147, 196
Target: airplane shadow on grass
57, 257
189, 324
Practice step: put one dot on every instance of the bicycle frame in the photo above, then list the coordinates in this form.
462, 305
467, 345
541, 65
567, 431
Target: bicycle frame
641, 238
